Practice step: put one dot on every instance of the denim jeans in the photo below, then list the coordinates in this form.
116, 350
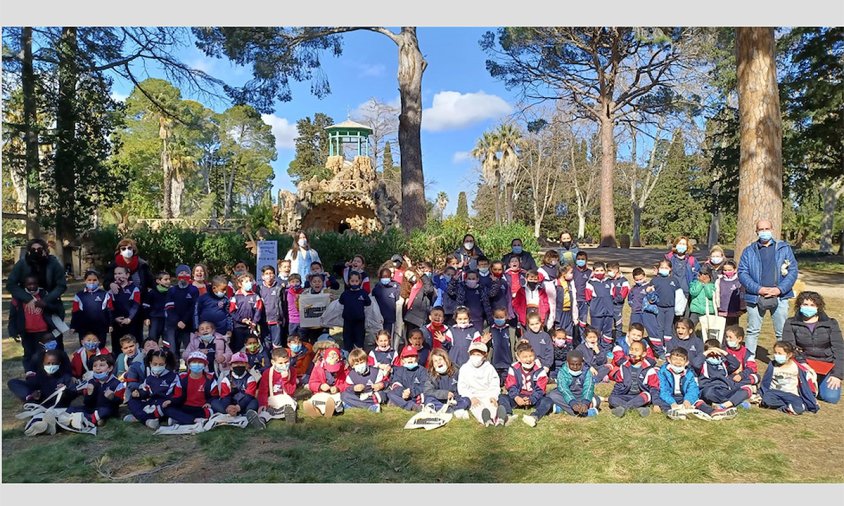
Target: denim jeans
825, 393
754, 323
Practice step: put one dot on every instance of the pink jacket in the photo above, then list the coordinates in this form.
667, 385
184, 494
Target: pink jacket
220, 349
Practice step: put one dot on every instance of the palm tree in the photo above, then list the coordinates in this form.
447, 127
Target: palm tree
442, 202
486, 150
508, 141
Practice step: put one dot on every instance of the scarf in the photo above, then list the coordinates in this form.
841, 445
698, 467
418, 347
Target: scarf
414, 291
132, 264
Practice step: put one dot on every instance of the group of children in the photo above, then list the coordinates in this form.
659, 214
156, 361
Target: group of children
495, 339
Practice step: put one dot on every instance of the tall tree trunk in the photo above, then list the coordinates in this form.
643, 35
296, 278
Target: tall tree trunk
30, 121
177, 186
607, 169
714, 228
166, 169
411, 66
65, 161
508, 202
637, 225
760, 126
831, 192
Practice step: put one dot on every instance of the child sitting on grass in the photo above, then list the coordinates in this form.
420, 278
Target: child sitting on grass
575, 392
478, 381
80, 360
636, 332
636, 383
276, 389
301, 358
716, 379
678, 388
190, 400
39, 385
441, 387
539, 341
257, 355
146, 401
525, 385
327, 381
407, 382
237, 390
786, 385
364, 383
129, 354
102, 394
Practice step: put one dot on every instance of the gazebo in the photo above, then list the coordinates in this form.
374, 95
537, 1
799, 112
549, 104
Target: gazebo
348, 132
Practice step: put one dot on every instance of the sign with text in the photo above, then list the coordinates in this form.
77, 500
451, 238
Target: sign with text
311, 307
267, 255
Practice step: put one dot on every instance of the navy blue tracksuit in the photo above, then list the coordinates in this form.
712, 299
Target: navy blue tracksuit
543, 346
717, 385
386, 297
665, 288
152, 392
459, 352
126, 304
598, 293
354, 304
154, 302
437, 389
274, 303
96, 406
402, 378
210, 308
596, 360
179, 308
368, 397
502, 353
92, 314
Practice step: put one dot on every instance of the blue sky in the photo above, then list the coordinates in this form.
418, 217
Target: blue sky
460, 100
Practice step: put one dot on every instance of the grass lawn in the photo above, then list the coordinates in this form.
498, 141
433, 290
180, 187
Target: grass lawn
758, 446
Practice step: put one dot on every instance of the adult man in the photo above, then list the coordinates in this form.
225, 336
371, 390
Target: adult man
37, 261
527, 261
767, 271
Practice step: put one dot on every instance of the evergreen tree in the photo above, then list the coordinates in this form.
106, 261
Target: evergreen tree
311, 149
462, 207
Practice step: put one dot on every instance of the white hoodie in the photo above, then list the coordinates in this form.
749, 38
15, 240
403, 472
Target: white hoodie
480, 382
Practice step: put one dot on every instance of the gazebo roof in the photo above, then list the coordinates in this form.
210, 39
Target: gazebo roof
350, 125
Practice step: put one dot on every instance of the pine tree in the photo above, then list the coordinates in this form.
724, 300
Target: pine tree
311, 149
462, 207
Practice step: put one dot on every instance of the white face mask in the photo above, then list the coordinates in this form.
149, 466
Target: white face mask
127, 254
361, 368
468, 245
303, 243
676, 369
441, 369
716, 260
476, 360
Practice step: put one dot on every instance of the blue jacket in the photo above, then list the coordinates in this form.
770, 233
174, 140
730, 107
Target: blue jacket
750, 271
180, 305
354, 304
386, 297
153, 302
689, 387
210, 308
502, 354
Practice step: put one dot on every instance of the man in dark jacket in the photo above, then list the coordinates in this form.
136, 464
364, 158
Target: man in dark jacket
527, 261
37, 261
767, 271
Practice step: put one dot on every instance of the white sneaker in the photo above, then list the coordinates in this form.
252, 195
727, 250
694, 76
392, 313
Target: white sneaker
153, 423
130, 418
674, 414
461, 414
529, 420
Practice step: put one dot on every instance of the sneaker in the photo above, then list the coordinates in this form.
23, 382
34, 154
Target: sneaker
557, 410
790, 410
130, 418
461, 414
153, 423
745, 405
501, 422
375, 408
700, 415
643, 411
529, 420
486, 417
290, 415
509, 419
755, 399
724, 414
329, 407
310, 409
619, 411
592, 412
673, 414
253, 420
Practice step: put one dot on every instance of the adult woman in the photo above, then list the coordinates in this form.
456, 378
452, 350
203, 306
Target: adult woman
526, 259
126, 255
568, 248
468, 254
417, 291
818, 339
200, 279
301, 255
683, 265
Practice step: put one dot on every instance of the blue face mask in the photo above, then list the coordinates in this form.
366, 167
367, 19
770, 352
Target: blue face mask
780, 359
664, 272
681, 248
101, 375
580, 263
385, 281
517, 250
92, 286
765, 235
714, 360
808, 311
158, 370
246, 285
91, 345
500, 321
576, 373
50, 345
196, 367
447, 277
295, 348
51, 368
412, 366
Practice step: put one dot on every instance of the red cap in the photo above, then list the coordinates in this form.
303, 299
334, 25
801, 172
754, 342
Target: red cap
409, 351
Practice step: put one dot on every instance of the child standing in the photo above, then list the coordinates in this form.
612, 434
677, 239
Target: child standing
273, 301
246, 308
102, 394
31, 321
257, 356
701, 291
636, 384
582, 274
525, 385
530, 299
441, 387
354, 302
464, 334
599, 297
729, 294
383, 355
562, 345
153, 305
386, 293
539, 341
619, 292
502, 355
126, 305
664, 286
643, 310
190, 400
687, 340
146, 400
407, 382
363, 383
91, 313
437, 333
565, 313
276, 389
179, 311
786, 385
478, 382
293, 291
575, 392
470, 294
213, 307
327, 381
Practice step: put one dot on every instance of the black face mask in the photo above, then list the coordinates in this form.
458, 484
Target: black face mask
566, 243
532, 285
240, 370
36, 256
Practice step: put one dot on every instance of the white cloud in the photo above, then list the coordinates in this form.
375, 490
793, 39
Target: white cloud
452, 110
461, 156
284, 131
203, 64
120, 97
